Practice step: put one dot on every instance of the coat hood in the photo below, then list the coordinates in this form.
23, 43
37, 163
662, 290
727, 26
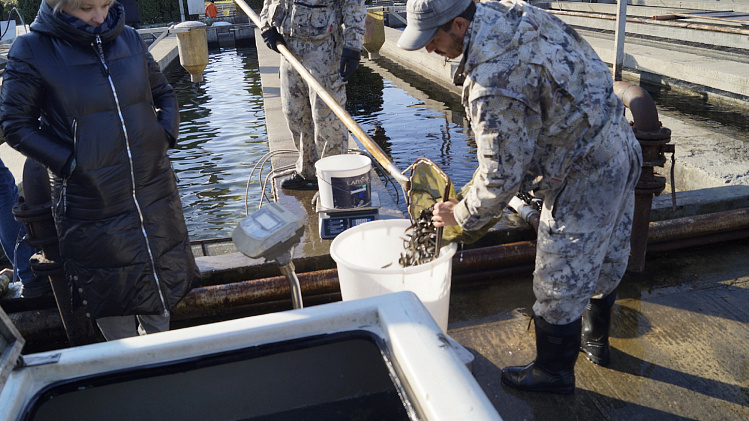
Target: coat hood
50, 23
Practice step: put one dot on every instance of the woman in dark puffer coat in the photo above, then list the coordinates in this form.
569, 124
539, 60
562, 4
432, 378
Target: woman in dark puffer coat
82, 96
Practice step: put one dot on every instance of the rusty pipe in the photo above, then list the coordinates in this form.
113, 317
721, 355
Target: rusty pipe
211, 300
487, 258
697, 226
216, 301
652, 138
662, 235
640, 104
487, 264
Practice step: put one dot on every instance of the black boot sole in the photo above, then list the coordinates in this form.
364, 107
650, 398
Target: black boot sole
595, 355
565, 390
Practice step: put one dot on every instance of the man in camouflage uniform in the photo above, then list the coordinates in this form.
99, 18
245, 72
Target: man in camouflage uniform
546, 119
326, 36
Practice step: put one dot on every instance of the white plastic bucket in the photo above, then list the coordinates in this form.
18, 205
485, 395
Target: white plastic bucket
344, 181
367, 259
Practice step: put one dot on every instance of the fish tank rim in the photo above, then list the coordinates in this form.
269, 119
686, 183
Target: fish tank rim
79, 384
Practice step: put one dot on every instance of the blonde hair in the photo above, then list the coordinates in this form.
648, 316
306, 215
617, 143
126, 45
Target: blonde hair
57, 5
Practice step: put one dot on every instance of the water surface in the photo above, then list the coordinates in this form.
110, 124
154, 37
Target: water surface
222, 131
222, 135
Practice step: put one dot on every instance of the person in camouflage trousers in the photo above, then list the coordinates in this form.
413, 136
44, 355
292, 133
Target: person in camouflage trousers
546, 119
326, 37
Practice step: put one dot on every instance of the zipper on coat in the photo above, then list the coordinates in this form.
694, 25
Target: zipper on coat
100, 50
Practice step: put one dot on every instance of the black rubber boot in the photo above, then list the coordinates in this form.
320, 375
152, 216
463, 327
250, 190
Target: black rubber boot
553, 371
297, 182
595, 332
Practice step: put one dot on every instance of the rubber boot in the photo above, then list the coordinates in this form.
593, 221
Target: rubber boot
553, 371
595, 332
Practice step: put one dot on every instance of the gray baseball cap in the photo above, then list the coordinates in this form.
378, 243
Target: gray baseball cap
424, 18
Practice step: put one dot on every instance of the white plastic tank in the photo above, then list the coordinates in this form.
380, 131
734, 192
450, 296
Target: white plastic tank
376, 358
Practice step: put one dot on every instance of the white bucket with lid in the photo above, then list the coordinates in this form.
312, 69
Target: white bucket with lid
367, 260
344, 181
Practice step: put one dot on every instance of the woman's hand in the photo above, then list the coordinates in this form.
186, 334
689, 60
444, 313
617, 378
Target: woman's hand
443, 213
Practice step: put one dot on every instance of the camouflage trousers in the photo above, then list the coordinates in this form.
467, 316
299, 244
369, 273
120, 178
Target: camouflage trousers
317, 132
583, 236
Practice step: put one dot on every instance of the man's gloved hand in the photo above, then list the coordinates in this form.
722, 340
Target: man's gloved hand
349, 63
272, 37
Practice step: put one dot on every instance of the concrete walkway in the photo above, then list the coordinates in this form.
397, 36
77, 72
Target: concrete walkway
655, 51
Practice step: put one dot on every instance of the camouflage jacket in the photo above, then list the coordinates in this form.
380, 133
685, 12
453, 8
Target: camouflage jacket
538, 97
316, 19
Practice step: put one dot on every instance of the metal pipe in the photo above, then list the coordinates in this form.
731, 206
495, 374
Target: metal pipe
487, 264
216, 300
619, 34
466, 263
640, 104
697, 226
339, 111
698, 26
652, 138
296, 289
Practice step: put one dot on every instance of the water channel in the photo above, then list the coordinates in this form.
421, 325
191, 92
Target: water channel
222, 130
222, 135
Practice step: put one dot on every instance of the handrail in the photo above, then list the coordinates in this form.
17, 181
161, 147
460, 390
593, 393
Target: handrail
171, 29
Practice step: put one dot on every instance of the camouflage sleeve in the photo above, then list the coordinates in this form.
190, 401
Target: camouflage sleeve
264, 19
354, 12
505, 130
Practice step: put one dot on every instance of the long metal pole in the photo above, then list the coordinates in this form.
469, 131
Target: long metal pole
357, 131
621, 19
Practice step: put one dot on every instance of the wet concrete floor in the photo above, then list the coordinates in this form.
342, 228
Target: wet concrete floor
680, 342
